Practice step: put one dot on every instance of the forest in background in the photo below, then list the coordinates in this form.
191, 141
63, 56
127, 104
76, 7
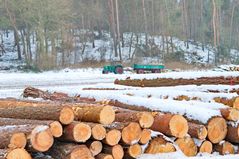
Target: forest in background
47, 32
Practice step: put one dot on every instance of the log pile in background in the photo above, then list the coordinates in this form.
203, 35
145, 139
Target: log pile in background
159, 82
103, 131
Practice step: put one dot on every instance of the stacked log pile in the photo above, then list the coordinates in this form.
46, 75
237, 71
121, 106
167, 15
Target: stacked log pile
128, 132
158, 82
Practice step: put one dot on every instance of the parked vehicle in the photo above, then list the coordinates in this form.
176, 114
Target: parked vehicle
148, 68
114, 67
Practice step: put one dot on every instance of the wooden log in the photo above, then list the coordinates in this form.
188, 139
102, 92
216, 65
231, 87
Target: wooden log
116, 151
76, 132
131, 133
112, 137
40, 139
70, 151
116, 103
159, 145
230, 114
55, 126
94, 113
224, 148
236, 103
104, 156
13, 136
217, 129
133, 151
64, 114
145, 136
145, 119
187, 145
197, 131
171, 125
205, 147
97, 130
18, 153
232, 132
95, 147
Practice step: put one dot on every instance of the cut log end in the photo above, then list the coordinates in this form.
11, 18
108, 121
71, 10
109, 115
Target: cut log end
41, 138
98, 132
145, 136
56, 129
107, 115
146, 120
95, 147
81, 152
217, 129
187, 145
18, 153
113, 137
224, 148
117, 152
135, 150
66, 116
236, 103
18, 140
230, 114
159, 145
178, 126
131, 133
206, 147
104, 156
81, 132
202, 133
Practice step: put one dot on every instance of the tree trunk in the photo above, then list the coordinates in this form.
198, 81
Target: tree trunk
55, 126
187, 145
145, 136
12, 154
159, 145
104, 156
76, 132
112, 137
197, 131
232, 133
224, 148
95, 113
205, 147
95, 147
70, 151
59, 113
171, 125
133, 151
116, 151
145, 119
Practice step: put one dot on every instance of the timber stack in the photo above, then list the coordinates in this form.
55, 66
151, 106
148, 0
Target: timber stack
74, 130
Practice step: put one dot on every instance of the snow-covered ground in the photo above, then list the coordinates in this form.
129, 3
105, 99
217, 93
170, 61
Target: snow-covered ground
73, 81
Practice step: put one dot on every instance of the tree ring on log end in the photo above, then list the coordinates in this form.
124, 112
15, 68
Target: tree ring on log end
217, 129
178, 126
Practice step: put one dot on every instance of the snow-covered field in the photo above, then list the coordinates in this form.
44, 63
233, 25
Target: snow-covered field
73, 82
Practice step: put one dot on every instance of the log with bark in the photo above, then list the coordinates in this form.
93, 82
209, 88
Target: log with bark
95, 147
112, 137
224, 148
145, 136
76, 132
187, 145
159, 145
55, 126
230, 114
133, 151
98, 131
94, 113
54, 112
145, 119
205, 147
104, 156
233, 132
70, 151
17, 136
116, 151
14, 154
216, 129
171, 125
197, 131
